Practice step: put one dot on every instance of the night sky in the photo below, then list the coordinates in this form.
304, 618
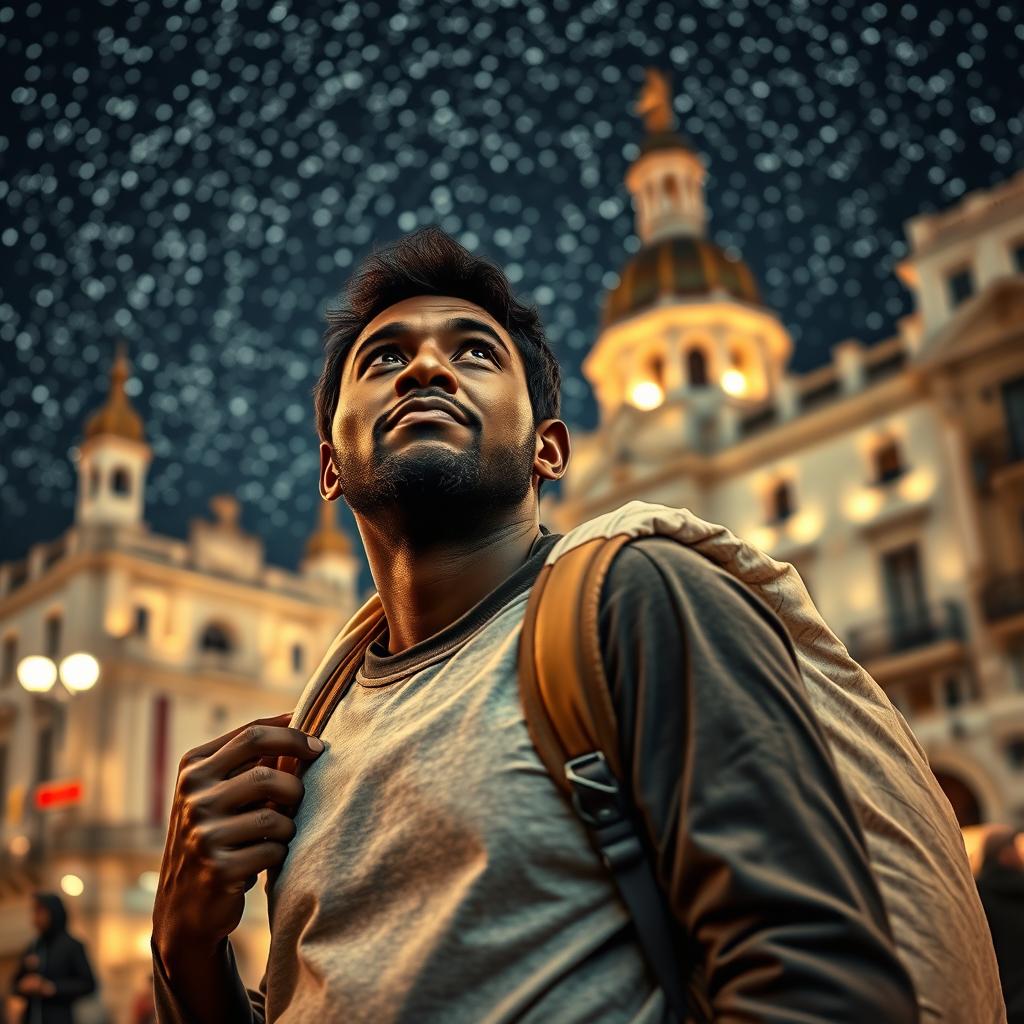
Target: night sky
200, 179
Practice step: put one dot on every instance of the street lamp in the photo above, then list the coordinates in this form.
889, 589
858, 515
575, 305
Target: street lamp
78, 672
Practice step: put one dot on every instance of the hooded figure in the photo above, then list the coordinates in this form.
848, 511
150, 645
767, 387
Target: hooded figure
54, 971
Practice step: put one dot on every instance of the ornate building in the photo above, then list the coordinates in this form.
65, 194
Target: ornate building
892, 477
192, 637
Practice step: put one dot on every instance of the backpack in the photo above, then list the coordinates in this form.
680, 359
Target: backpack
914, 843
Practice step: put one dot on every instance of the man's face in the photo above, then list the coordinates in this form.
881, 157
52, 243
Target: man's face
473, 455
40, 917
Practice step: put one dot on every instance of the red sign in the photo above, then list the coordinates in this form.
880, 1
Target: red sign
58, 794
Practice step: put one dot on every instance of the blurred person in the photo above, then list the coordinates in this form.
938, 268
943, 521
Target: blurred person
428, 869
1001, 887
54, 971
143, 1007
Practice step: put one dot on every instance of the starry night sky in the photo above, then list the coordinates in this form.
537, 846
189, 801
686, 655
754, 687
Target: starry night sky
200, 178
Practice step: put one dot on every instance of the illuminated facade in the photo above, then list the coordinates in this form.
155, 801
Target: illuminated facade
892, 478
193, 638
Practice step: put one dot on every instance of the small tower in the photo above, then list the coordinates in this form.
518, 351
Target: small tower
113, 458
328, 555
667, 182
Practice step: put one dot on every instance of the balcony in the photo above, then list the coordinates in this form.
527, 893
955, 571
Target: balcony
992, 455
891, 637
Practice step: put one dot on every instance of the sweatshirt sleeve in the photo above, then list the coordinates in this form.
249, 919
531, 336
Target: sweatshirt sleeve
249, 1004
754, 839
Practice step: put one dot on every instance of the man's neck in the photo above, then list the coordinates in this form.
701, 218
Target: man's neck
424, 587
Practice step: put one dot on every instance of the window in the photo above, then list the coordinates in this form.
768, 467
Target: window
94, 482
961, 286
781, 502
905, 592
215, 638
44, 753
141, 620
158, 778
888, 462
1013, 409
1015, 752
296, 657
954, 692
8, 666
52, 636
1018, 256
121, 482
696, 368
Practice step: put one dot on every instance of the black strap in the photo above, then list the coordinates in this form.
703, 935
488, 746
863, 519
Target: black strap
598, 802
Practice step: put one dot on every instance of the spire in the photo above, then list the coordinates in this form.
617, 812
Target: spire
667, 179
116, 416
328, 538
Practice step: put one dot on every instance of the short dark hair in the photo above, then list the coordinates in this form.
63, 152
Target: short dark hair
430, 262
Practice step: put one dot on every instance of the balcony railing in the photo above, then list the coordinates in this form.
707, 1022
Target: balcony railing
994, 452
897, 634
1003, 596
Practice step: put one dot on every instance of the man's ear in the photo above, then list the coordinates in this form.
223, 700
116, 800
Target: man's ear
553, 449
330, 483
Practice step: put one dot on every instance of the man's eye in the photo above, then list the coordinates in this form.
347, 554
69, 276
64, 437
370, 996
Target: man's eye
485, 347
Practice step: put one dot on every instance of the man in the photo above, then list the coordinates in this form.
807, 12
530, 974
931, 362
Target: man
1001, 888
433, 871
54, 971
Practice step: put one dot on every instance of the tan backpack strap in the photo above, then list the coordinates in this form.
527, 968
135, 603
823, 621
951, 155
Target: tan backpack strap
563, 687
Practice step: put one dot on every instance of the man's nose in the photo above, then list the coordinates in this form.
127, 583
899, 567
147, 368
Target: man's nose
427, 368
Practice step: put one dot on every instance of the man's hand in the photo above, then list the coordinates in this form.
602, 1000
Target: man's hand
231, 818
36, 985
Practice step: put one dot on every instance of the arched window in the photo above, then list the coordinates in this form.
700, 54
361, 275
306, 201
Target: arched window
697, 368
215, 637
888, 462
121, 481
966, 805
781, 501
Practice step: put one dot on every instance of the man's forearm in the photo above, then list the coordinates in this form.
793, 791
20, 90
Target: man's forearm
194, 984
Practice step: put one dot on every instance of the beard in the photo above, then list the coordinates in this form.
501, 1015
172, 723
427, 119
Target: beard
435, 489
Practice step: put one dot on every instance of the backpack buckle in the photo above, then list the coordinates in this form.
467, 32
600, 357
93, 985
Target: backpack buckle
595, 791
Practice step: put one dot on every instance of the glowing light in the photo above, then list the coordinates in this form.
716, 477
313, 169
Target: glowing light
734, 383
142, 946
149, 880
917, 485
763, 537
72, 885
646, 394
805, 526
36, 673
863, 504
79, 671
19, 846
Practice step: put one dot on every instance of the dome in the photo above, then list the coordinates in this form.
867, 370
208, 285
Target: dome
679, 267
116, 416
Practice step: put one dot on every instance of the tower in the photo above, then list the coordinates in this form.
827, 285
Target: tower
113, 458
328, 555
686, 322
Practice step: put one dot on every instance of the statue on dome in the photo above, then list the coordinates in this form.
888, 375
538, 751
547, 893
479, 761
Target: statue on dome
655, 103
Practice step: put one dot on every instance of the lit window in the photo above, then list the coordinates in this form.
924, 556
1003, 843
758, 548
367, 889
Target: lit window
961, 286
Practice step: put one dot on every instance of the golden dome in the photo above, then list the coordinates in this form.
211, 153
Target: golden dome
116, 416
327, 538
682, 267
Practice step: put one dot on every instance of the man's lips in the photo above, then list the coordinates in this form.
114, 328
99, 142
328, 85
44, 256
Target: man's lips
424, 416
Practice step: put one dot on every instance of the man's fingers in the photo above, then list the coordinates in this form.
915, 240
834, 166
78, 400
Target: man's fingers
259, 741
212, 746
280, 788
